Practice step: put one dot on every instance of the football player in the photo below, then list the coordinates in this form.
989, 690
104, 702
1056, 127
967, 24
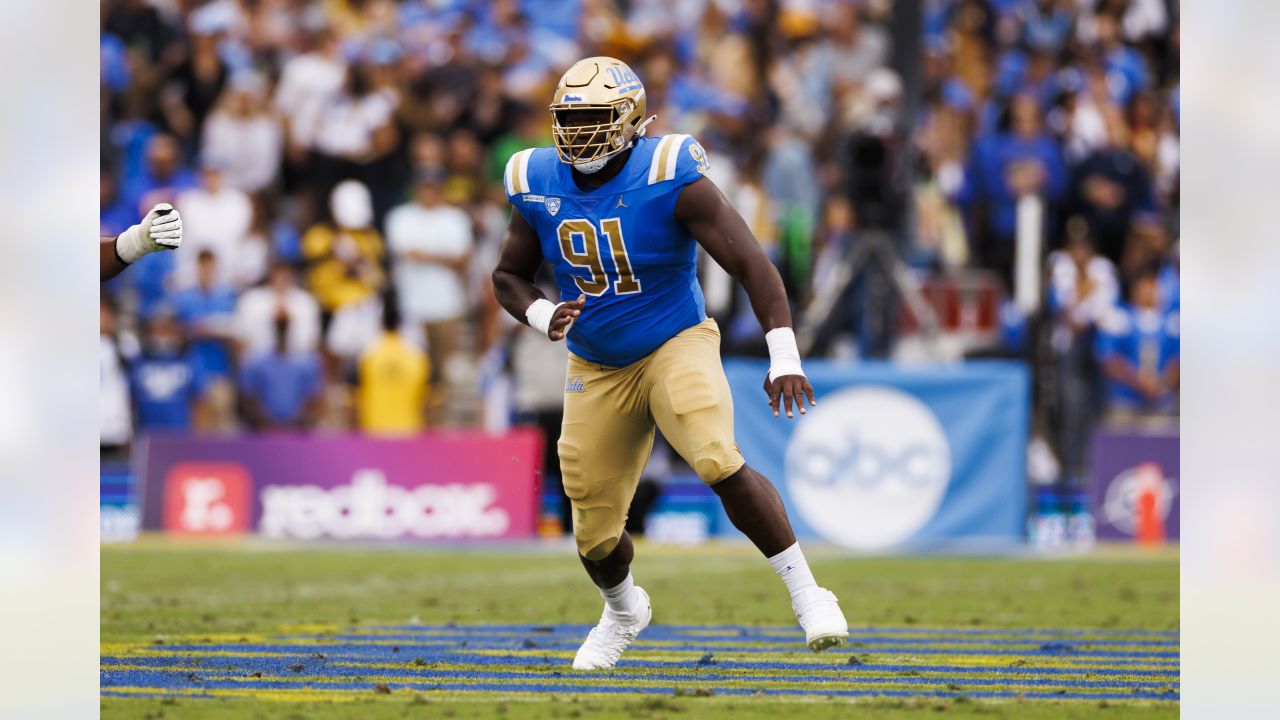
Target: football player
161, 229
619, 216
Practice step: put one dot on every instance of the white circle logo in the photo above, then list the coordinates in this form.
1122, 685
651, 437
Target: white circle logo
1120, 506
868, 467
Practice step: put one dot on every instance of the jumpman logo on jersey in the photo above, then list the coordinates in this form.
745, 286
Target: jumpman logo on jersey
620, 204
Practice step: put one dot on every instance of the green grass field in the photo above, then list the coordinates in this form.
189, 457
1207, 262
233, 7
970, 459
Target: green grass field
266, 630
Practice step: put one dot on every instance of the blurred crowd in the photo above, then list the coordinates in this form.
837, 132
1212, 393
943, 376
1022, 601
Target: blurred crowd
338, 167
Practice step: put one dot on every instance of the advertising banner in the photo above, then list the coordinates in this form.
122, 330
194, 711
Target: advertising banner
895, 456
449, 486
1124, 463
118, 514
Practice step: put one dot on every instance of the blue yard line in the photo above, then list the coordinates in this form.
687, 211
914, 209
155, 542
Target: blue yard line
749, 629
273, 663
157, 694
645, 643
1112, 664
510, 687
180, 677
469, 650
793, 636
373, 650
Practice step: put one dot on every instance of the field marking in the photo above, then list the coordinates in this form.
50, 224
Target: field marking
463, 680
532, 661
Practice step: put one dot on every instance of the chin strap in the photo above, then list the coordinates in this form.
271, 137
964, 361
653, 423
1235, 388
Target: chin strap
592, 167
640, 130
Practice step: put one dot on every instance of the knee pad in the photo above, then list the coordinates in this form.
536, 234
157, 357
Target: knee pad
717, 460
596, 548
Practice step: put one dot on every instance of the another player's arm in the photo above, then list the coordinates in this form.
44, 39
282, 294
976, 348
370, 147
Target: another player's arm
519, 258
705, 212
161, 229
109, 262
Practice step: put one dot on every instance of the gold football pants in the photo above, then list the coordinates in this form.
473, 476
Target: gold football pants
609, 416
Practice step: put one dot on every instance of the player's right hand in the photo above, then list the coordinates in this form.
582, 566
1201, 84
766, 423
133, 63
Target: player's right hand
564, 316
163, 227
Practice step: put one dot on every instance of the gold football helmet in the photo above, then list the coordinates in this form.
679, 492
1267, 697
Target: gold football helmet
609, 102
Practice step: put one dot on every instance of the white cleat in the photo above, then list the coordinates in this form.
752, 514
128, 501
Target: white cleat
613, 635
819, 614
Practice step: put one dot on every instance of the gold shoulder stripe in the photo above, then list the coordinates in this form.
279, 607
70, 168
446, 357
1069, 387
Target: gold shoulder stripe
673, 156
520, 173
658, 164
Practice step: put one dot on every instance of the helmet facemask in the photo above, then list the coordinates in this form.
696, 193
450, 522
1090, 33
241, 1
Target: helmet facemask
587, 145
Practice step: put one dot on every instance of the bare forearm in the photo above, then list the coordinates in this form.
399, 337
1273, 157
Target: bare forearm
767, 294
519, 259
109, 263
515, 294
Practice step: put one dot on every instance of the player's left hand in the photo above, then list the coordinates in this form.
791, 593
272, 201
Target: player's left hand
787, 389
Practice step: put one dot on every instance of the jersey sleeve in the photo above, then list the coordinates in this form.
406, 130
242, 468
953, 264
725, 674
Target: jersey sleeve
679, 158
515, 179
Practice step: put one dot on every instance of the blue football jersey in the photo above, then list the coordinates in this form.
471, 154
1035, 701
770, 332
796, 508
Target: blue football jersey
619, 244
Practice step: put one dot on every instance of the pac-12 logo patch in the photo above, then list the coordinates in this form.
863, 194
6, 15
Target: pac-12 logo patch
553, 205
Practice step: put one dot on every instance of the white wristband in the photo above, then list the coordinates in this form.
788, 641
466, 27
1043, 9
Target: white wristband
784, 355
539, 315
129, 244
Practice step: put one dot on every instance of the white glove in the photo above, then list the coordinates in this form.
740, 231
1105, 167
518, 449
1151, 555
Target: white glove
161, 229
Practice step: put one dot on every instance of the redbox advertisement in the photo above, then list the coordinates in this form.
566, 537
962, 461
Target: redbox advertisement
446, 486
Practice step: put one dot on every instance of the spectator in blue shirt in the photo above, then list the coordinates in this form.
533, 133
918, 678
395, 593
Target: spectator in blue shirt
113, 57
1046, 25
206, 311
282, 389
1126, 70
114, 216
1003, 169
166, 380
161, 178
1138, 349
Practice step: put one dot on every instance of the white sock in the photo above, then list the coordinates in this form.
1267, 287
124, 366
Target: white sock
793, 569
620, 598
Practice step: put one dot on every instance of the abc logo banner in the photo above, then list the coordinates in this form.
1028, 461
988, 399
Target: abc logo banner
896, 456
869, 467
